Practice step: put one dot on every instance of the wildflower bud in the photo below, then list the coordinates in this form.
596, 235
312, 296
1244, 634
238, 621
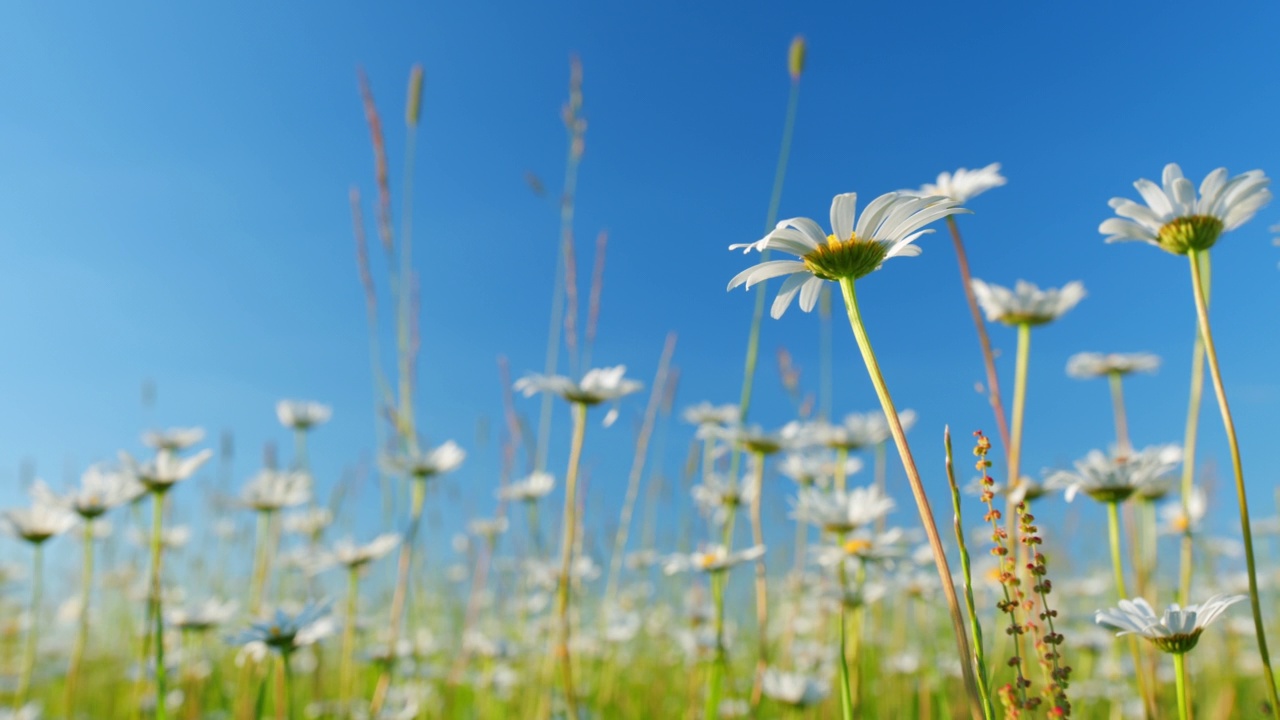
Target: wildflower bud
414, 108
795, 59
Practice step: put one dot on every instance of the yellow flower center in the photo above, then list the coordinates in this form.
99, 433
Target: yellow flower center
706, 560
840, 259
856, 546
1180, 523
1194, 232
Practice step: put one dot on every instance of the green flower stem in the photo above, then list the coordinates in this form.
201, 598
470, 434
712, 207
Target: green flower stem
349, 635
719, 664
842, 457
1215, 373
917, 490
880, 481
286, 699
1123, 446
569, 523
984, 340
257, 586
33, 629
1180, 670
1015, 444
1186, 566
82, 630
975, 626
156, 603
535, 531
762, 585
418, 490
846, 695
1117, 564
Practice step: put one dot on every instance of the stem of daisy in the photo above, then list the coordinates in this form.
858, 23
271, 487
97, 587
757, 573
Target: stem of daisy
349, 635
1123, 447
1015, 445
979, 654
1215, 373
721, 660
762, 586
566, 556
259, 581
157, 613
287, 699
33, 629
1117, 564
842, 458
1189, 442
984, 340
917, 490
1180, 670
82, 631
418, 489
846, 696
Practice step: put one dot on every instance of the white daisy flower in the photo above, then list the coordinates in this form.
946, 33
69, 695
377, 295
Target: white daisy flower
858, 430
302, 414
422, 465
101, 489
202, 616
37, 523
596, 386
718, 498
165, 470
286, 632
1087, 365
1174, 520
839, 512
173, 439
1177, 631
1026, 303
1174, 219
1112, 479
795, 689
886, 229
705, 413
963, 184
488, 528
347, 553
755, 439
713, 559
271, 490
308, 522
530, 489
861, 546
816, 468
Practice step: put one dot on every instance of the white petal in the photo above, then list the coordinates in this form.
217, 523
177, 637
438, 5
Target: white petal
844, 208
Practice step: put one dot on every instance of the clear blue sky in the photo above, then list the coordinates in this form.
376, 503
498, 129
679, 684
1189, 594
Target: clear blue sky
174, 207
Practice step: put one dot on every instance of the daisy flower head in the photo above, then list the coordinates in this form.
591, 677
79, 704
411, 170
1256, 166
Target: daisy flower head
596, 386
795, 689
713, 559
1177, 631
302, 414
271, 490
286, 632
963, 184
1175, 520
202, 616
38, 522
840, 512
1114, 479
165, 470
816, 468
1174, 219
101, 489
704, 413
529, 489
421, 465
1087, 365
351, 555
173, 439
886, 229
1026, 304
718, 498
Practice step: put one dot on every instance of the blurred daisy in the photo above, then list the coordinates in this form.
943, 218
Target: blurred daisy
1174, 219
1087, 365
1111, 479
861, 546
795, 689
713, 559
810, 468
351, 555
1176, 520
271, 490
286, 632
172, 440
755, 439
963, 184
422, 465
37, 523
308, 522
488, 528
1177, 631
839, 512
530, 489
203, 616
596, 386
707, 414
101, 489
886, 229
1026, 304
718, 498
302, 414
165, 470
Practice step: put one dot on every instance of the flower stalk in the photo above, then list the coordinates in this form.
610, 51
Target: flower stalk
569, 522
979, 653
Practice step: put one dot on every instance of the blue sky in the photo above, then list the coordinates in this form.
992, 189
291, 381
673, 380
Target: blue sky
175, 183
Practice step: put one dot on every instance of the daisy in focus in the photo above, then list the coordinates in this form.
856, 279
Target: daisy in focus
1174, 219
886, 229
1177, 631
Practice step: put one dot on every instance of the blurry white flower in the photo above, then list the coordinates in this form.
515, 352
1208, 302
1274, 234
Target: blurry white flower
308, 522
30, 711
718, 498
1175, 521
841, 512
271, 490
963, 184
886, 229
38, 522
1110, 479
101, 489
754, 438
421, 465
202, 616
172, 440
302, 414
1174, 219
705, 413
1177, 631
171, 538
532, 488
1026, 304
794, 689
165, 470
488, 528
346, 552
595, 387
714, 558
286, 632
863, 546
815, 468
1091, 365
